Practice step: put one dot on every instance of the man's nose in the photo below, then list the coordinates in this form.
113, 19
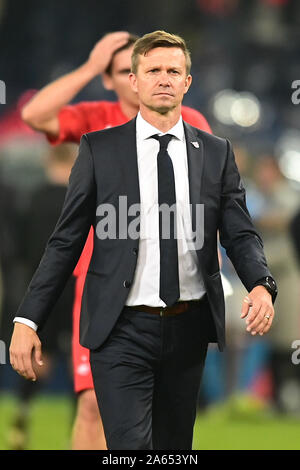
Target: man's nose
164, 79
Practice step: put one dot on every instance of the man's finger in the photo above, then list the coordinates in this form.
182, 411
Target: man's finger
114, 38
38, 354
117, 43
246, 306
29, 372
264, 323
12, 359
253, 314
268, 324
256, 321
16, 363
117, 33
20, 366
120, 35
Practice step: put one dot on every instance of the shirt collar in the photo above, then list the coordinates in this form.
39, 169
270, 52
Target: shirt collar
145, 130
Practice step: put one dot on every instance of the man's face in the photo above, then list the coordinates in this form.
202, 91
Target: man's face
161, 79
118, 81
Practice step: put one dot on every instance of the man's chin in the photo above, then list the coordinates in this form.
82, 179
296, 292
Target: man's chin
162, 109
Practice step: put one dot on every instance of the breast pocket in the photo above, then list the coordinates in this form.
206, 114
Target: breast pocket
215, 275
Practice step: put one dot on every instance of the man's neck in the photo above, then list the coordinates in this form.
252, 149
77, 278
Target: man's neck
162, 122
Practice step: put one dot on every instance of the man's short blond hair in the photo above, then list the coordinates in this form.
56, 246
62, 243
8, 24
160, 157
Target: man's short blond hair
158, 39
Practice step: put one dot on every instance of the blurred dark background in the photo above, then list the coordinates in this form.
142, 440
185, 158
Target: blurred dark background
243, 45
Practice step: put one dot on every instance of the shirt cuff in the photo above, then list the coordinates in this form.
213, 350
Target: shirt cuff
27, 322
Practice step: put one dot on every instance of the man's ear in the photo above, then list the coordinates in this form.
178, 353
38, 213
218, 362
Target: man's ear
133, 81
107, 81
188, 82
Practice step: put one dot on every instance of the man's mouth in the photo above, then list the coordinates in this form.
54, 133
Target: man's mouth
162, 93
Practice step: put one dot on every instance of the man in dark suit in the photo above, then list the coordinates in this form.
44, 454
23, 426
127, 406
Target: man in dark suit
153, 297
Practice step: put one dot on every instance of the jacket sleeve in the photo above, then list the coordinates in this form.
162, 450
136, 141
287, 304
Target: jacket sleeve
238, 236
66, 242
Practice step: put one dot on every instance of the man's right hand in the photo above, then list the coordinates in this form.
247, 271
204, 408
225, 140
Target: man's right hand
103, 50
25, 345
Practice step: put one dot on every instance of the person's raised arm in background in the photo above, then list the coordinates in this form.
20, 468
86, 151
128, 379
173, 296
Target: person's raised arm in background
41, 113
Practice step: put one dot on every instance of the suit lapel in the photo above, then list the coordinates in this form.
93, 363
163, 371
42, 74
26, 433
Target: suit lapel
128, 150
194, 147
129, 163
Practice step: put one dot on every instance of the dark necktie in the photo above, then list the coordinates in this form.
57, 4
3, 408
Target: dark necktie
169, 278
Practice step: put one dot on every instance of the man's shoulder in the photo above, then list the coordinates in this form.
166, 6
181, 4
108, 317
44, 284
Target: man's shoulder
95, 105
110, 132
206, 137
97, 112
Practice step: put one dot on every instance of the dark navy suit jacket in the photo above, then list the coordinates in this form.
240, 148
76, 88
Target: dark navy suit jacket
106, 168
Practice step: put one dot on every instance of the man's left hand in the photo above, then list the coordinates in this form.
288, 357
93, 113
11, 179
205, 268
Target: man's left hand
258, 308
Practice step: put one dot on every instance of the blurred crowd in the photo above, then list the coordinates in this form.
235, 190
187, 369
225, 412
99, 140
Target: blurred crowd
244, 57
263, 367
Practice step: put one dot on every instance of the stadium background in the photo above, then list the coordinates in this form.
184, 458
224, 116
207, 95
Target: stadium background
245, 56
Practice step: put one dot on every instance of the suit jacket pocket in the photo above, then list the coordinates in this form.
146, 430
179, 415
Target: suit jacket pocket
214, 275
94, 273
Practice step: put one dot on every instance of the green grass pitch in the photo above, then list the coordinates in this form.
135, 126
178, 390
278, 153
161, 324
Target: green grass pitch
232, 425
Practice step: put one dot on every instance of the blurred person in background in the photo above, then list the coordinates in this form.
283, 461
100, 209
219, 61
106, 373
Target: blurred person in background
10, 255
19, 146
39, 222
279, 204
50, 113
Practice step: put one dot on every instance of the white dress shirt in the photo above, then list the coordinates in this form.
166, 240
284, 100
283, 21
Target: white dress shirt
145, 286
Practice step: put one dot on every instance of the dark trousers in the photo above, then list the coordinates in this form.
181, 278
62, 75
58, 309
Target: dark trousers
147, 376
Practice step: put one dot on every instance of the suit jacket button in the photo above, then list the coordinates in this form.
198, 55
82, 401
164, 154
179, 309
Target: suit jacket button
135, 251
127, 284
